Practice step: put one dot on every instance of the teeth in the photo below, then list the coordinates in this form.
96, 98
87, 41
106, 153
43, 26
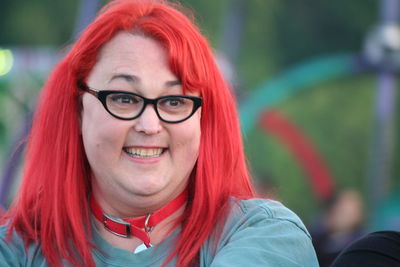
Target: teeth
144, 152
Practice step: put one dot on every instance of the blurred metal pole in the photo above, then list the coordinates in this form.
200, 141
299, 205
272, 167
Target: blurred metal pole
230, 43
389, 11
86, 14
232, 30
384, 132
12, 164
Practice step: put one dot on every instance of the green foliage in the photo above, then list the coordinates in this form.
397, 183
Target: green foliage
277, 34
208, 15
280, 33
3, 136
338, 118
37, 22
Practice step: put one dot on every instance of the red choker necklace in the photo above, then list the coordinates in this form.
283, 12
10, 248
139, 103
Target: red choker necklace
139, 227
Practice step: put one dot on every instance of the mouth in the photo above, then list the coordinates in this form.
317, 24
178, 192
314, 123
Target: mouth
144, 153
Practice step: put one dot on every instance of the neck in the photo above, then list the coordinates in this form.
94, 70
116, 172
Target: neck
125, 204
159, 234
127, 233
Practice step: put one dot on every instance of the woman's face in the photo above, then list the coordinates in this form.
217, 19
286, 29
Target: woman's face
144, 157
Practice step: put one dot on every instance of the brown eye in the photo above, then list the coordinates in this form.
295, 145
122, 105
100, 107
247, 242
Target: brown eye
124, 99
173, 102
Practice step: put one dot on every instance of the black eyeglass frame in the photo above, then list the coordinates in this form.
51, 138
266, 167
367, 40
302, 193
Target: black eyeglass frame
102, 96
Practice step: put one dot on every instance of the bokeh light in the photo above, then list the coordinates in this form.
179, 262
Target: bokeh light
6, 61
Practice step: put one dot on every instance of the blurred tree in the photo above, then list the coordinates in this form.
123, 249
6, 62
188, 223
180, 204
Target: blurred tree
337, 116
279, 33
276, 34
37, 22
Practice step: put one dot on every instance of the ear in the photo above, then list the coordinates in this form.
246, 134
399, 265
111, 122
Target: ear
80, 112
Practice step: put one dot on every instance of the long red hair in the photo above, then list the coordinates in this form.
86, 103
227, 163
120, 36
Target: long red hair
51, 207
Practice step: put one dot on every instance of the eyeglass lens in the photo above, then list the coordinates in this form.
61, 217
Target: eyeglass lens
170, 108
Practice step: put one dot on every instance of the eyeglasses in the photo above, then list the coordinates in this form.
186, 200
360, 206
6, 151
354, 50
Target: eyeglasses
129, 106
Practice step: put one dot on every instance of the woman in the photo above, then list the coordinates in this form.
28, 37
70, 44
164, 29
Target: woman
135, 158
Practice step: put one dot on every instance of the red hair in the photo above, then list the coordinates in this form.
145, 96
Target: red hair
51, 207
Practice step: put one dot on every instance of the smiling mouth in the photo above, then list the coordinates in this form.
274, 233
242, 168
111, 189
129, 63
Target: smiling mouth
144, 153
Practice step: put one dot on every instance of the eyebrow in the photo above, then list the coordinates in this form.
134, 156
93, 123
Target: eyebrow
173, 83
127, 77
134, 79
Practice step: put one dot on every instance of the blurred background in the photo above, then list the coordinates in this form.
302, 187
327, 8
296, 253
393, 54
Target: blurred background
316, 87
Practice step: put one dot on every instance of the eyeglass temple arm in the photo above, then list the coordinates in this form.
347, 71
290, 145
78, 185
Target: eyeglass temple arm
86, 88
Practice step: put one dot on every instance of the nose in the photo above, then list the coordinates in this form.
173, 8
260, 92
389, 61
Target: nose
148, 122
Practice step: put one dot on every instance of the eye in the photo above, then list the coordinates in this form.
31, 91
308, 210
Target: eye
173, 103
124, 98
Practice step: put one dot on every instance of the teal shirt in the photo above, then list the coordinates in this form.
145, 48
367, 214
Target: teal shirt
257, 233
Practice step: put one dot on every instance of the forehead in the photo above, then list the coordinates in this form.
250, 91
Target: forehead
131, 59
134, 53
128, 46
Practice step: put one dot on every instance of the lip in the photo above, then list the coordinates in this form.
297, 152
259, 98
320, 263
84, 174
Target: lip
146, 147
150, 160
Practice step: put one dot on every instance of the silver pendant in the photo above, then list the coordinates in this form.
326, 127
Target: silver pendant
140, 248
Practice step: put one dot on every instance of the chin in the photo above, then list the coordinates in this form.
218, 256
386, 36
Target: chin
147, 190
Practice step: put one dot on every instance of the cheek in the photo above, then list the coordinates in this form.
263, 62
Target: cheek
187, 140
101, 136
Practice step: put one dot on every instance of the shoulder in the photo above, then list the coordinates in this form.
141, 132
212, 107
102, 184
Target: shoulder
384, 238
14, 252
271, 209
266, 212
11, 247
375, 249
259, 232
